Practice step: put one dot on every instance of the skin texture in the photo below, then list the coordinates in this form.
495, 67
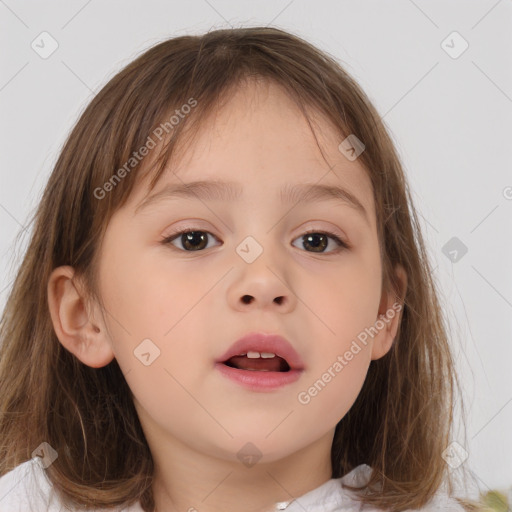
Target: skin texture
190, 305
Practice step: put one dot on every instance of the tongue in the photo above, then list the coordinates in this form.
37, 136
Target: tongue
274, 364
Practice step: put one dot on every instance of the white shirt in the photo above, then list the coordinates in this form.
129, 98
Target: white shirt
27, 489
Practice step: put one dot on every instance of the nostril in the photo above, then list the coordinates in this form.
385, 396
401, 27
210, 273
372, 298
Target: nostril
246, 299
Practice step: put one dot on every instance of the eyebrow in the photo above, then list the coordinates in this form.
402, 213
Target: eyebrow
231, 191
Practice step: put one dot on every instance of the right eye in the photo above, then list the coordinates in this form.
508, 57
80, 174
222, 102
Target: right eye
191, 240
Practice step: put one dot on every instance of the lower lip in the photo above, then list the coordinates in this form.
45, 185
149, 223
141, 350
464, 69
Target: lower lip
259, 380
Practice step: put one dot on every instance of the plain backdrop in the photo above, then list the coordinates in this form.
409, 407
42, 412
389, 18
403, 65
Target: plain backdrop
446, 99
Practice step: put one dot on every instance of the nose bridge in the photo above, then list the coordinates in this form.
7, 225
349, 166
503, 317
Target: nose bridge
260, 242
257, 230
262, 275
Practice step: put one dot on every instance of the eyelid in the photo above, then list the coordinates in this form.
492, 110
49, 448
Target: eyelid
197, 225
189, 225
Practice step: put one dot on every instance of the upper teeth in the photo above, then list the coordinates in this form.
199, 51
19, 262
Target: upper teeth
256, 355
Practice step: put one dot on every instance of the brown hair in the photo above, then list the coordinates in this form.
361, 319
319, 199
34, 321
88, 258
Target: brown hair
401, 421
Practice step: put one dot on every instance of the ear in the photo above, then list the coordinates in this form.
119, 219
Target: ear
80, 331
390, 314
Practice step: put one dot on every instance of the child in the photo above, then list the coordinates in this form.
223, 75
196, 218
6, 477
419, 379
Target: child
173, 342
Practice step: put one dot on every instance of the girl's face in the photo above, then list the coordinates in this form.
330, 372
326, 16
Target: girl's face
172, 311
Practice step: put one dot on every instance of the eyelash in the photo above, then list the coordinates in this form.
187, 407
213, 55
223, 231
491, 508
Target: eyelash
341, 244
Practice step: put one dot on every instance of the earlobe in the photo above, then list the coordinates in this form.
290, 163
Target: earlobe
389, 316
77, 329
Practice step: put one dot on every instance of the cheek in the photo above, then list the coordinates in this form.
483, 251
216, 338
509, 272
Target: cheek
347, 306
144, 296
345, 300
156, 308
166, 309
331, 392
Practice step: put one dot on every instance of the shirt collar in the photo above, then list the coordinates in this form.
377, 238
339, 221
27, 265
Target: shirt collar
330, 496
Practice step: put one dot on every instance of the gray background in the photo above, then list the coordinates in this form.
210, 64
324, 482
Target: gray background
449, 117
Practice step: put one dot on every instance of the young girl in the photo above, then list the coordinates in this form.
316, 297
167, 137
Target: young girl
226, 301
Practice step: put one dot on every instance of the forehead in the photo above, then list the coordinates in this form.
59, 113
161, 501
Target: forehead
258, 139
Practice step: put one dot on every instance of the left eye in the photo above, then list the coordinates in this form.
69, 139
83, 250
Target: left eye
319, 240
194, 240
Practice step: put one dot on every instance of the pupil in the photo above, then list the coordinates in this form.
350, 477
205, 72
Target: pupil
322, 245
192, 237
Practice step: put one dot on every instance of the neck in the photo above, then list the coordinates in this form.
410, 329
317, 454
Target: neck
188, 480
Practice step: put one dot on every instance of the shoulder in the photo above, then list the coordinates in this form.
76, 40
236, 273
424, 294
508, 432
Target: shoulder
27, 489
444, 503
440, 502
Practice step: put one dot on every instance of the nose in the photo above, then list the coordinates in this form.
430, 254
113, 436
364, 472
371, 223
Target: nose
260, 286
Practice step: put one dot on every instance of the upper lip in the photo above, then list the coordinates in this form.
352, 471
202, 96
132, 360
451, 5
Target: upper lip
261, 342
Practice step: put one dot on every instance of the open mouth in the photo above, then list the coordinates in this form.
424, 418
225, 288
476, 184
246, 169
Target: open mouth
261, 362
255, 361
